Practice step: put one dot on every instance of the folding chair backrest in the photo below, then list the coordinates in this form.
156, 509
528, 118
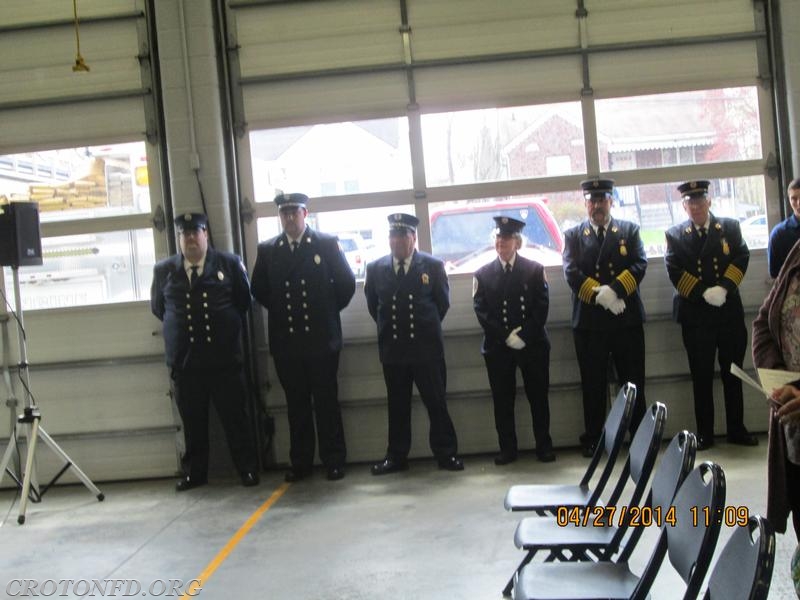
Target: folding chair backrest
744, 568
611, 438
642, 455
676, 463
689, 543
619, 417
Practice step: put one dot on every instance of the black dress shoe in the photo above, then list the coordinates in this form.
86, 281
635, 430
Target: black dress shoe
249, 479
296, 474
704, 442
505, 458
743, 439
451, 463
188, 483
588, 450
335, 473
545, 456
389, 465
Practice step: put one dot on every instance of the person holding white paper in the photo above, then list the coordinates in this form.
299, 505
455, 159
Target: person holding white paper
776, 345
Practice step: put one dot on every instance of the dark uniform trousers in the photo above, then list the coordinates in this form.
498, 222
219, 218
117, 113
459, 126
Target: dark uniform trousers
626, 349
431, 380
729, 342
694, 264
304, 378
534, 364
408, 312
193, 391
618, 261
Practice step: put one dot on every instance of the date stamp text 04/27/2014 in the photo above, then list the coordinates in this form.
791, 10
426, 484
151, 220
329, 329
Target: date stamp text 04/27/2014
645, 516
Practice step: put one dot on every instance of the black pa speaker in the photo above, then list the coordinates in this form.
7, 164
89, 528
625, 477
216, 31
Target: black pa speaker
20, 238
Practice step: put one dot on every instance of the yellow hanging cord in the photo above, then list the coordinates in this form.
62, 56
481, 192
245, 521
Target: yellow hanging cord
80, 64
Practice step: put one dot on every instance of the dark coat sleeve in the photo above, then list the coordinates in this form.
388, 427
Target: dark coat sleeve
259, 285
370, 292
344, 281
441, 288
533, 326
157, 291
627, 282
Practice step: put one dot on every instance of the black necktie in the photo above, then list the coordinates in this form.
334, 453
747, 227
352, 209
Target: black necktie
508, 268
601, 234
295, 245
400, 269
193, 276
701, 231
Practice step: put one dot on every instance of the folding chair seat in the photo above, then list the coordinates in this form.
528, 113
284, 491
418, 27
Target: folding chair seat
743, 570
546, 499
688, 545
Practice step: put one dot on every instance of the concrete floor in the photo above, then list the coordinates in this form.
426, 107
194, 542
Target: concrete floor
421, 535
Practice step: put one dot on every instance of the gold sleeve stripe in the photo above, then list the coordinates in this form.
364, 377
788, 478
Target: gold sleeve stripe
586, 292
628, 281
735, 274
686, 284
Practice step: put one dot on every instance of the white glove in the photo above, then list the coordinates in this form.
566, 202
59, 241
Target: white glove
513, 341
605, 296
715, 295
618, 306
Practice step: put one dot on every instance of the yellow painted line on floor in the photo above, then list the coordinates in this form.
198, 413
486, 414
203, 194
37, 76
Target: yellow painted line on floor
197, 585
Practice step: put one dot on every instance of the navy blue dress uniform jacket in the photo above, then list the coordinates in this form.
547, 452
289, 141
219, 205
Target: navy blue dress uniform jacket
303, 292
202, 324
694, 266
619, 263
504, 302
409, 310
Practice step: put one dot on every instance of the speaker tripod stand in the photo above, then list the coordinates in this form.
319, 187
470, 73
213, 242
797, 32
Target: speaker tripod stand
29, 425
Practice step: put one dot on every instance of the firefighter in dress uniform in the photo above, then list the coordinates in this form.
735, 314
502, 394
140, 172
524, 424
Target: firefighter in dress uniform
202, 296
604, 262
511, 300
706, 260
408, 296
303, 280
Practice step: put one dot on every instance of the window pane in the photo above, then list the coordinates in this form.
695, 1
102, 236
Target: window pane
333, 159
95, 268
656, 207
676, 129
363, 233
463, 232
79, 183
503, 143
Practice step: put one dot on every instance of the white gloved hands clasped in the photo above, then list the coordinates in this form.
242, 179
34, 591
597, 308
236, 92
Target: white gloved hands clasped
605, 297
617, 306
513, 341
715, 295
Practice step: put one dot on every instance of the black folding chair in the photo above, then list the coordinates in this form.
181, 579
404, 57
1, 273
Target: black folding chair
688, 542
566, 538
744, 568
546, 499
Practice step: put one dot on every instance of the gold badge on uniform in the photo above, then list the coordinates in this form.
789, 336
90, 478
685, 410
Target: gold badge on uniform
623, 249
614, 229
725, 248
220, 275
425, 279
317, 259
586, 231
